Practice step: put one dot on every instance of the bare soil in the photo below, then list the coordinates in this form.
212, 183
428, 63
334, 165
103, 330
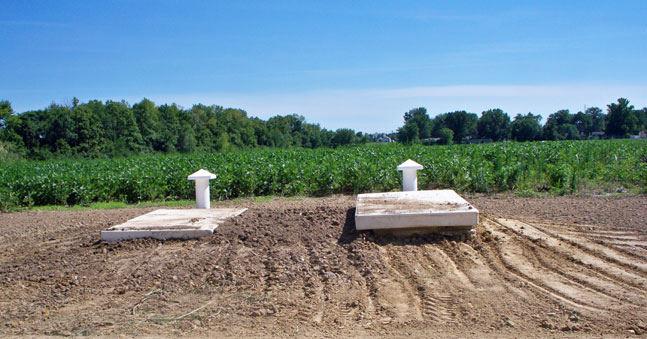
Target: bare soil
537, 267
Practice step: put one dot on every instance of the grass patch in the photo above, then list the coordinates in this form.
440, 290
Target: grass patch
177, 203
113, 205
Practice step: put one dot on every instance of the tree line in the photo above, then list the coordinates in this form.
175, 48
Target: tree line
112, 128
620, 121
115, 128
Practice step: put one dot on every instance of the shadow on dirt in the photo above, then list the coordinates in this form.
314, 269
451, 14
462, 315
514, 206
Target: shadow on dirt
350, 234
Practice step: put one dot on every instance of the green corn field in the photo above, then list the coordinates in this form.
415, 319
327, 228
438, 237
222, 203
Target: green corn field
559, 167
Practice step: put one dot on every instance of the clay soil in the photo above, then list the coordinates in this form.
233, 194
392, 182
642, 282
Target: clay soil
536, 267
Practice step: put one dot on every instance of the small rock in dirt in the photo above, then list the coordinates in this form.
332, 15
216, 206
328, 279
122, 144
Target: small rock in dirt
509, 323
329, 275
546, 324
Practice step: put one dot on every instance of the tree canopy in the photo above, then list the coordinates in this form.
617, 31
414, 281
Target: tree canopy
417, 125
111, 128
494, 124
621, 119
526, 127
115, 128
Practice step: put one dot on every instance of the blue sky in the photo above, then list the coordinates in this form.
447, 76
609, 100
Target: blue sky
357, 64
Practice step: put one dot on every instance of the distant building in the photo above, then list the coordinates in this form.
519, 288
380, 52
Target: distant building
384, 138
598, 135
430, 141
640, 135
479, 140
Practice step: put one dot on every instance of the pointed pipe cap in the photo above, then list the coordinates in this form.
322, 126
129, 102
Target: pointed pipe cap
201, 174
408, 165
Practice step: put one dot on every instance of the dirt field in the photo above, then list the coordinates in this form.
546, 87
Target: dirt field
536, 267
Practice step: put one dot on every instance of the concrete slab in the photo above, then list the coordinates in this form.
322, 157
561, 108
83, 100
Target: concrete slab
442, 209
171, 224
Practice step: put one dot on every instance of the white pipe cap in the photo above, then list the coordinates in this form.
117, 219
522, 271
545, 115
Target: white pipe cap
409, 165
201, 174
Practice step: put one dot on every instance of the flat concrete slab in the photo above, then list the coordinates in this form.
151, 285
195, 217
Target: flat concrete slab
171, 224
415, 209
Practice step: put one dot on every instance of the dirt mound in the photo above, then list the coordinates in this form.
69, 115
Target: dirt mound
299, 267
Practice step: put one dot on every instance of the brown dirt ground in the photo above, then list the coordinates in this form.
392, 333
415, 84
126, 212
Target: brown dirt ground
537, 267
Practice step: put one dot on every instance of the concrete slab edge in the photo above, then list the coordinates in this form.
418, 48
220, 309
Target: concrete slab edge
155, 234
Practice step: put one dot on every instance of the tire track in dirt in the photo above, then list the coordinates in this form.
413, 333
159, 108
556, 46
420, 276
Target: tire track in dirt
433, 283
585, 278
510, 281
475, 267
442, 307
596, 248
594, 265
395, 293
629, 242
365, 269
313, 288
611, 291
517, 261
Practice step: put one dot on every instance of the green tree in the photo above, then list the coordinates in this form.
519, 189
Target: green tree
343, 136
127, 139
621, 120
5, 112
27, 127
437, 124
204, 125
327, 137
87, 131
420, 118
10, 141
169, 128
279, 129
260, 131
186, 139
409, 133
526, 127
462, 123
641, 116
57, 130
584, 124
569, 132
559, 126
494, 124
147, 118
312, 136
239, 128
446, 136
598, 119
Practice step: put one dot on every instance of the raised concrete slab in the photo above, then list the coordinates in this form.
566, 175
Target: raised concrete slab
413, 210
171, 224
